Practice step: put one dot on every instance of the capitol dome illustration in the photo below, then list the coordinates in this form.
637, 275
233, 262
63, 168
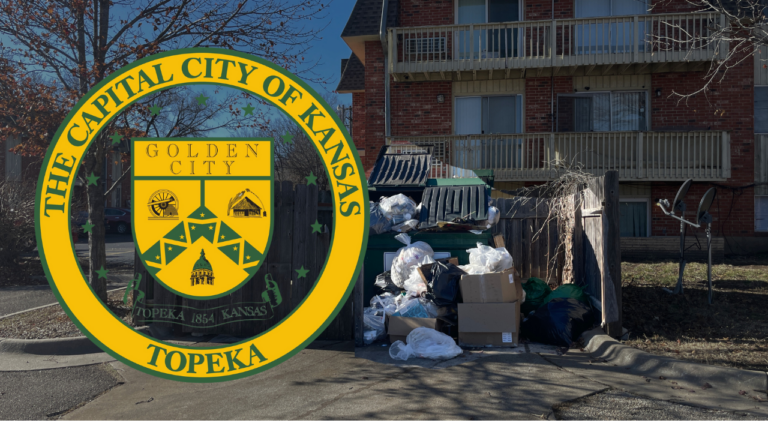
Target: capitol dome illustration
202, 272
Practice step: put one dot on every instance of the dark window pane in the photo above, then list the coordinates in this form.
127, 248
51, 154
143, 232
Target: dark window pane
761, 109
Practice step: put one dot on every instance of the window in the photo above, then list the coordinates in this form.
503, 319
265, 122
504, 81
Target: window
488, 115
614, 37
113, 212
761, 213
604, 111
486, 43
12, 161
761, 109
633, 218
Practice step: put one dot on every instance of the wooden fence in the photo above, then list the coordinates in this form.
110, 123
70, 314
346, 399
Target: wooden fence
530, 238
293, 245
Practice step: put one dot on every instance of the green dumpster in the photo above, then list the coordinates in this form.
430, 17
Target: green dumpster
383, 247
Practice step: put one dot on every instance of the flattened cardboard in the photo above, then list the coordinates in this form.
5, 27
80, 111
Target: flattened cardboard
482, 324
501, 287
400, 327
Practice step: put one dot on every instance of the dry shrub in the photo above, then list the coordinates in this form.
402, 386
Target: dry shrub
17, 221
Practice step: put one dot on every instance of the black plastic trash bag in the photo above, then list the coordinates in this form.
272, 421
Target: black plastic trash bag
385, 285
444, 283
559, 322
379, 224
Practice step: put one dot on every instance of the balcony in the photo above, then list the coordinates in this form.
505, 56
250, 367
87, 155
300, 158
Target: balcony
646, 156
576, 47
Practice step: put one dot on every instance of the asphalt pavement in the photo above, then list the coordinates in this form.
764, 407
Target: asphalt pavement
20, 298
47, 394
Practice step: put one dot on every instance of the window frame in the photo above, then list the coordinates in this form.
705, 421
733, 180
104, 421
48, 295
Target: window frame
610, 120
520, 12
610, 9
647, 202
755, 213
521, 105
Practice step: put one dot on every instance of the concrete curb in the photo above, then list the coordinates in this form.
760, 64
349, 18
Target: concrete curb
54, 347
61, 346
609, 349
48, 305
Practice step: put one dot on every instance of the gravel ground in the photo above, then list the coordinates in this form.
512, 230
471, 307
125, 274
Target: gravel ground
53, 322
48, 394
620, 405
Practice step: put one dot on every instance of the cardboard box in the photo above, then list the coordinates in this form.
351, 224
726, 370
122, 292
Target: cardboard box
482, 324
501, 287
400, 327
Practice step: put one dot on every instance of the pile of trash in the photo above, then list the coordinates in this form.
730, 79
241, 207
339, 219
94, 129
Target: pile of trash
400, 213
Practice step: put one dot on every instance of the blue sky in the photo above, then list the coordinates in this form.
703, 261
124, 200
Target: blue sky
332, 48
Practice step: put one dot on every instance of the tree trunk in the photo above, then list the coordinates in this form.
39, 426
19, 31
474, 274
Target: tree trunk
97, 255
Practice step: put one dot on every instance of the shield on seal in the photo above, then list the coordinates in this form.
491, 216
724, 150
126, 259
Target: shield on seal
202, 211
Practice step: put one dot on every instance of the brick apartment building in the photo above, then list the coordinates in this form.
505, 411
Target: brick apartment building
519, 86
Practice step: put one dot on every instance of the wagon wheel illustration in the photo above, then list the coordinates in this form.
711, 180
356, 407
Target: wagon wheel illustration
163, 204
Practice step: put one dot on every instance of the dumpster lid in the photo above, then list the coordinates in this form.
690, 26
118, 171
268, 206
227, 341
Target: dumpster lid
401, 170
447, 203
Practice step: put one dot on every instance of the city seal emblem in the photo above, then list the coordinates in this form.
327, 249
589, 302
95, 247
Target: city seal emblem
203, 220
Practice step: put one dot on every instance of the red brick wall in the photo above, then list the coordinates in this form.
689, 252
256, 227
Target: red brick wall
375, 126
358, 119
426, 12
415, 110
538, 97
728, 107
671, 6
536, 10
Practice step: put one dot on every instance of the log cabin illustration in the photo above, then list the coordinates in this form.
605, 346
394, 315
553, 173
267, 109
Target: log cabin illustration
246, 205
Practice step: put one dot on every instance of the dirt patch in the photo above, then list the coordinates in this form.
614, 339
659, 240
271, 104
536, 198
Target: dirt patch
53, 322
732, 332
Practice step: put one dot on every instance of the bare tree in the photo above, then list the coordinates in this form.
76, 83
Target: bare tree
741, 33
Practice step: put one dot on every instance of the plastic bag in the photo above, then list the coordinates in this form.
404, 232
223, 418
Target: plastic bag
379, 224
385, 284
568, 291
373, 325
425, 343
416, 308
493, 217
559, 322
406, 226
414, 285
444, 283
536, 290
407, 257
398, 205
386, 302
473, 269
493, 260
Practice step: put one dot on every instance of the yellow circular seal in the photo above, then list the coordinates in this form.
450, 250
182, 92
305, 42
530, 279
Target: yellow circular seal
187, 67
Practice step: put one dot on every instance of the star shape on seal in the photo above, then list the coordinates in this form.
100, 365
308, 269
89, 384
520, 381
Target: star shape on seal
102, 273
248, 110
316, 227
116, 138
92, 179
155, 109
201, 100
302, 272
311, 179
87, 228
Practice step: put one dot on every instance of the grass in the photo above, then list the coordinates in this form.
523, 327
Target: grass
732, 331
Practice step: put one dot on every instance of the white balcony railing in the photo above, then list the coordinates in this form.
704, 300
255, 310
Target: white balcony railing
700, 155
635, 39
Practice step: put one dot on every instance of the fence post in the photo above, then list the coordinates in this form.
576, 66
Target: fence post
392, 50
552, 43
636, 47
357, 307
472, 46
726, 142
552, 173
612, 255
640, 171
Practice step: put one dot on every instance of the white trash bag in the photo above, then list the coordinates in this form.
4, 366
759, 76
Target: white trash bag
490, 259
373, 325
414, 286
406, 226
408, 257
398, 208
387, 302
425, 343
